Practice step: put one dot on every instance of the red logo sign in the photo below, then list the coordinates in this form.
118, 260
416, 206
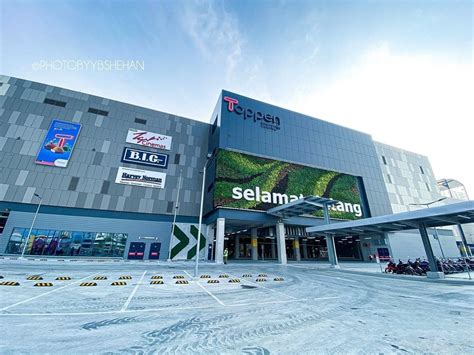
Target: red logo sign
230, 102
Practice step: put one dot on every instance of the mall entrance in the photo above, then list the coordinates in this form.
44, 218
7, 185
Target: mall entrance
300, 246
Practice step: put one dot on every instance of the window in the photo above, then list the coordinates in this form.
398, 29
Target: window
169, 208
177, 158
140, 120
97, 112
67, 243
384, 160
427, 186
421, 169
54, 102
73, 184
389, 179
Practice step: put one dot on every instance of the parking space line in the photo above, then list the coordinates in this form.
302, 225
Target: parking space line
129, 299
46, 293
207, 291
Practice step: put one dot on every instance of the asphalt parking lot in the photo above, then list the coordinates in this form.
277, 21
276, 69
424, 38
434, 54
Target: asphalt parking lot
312, 310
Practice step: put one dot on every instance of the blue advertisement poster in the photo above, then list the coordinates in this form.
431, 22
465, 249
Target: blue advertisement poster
58, 144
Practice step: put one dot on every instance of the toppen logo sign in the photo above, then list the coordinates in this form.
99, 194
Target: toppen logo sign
280, 199
142, 157
149, 139
266, 120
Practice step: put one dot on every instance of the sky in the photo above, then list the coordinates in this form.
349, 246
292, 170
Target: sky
401, 71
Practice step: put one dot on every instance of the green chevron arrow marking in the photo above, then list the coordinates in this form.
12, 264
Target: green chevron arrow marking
194, 233
183, 241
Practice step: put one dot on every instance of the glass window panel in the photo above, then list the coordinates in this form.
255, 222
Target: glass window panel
67, 243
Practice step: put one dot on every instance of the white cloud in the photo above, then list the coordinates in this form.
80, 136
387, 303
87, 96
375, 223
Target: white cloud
420, 102
214, 31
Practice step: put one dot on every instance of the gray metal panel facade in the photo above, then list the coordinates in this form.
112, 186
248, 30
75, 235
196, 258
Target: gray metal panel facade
25, 119
408, 177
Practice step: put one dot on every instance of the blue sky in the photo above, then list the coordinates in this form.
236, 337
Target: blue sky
399, 70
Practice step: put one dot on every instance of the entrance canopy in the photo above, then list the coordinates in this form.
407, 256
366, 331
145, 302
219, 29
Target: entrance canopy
455, 213
305, 205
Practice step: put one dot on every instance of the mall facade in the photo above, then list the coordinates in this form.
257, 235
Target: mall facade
109, 178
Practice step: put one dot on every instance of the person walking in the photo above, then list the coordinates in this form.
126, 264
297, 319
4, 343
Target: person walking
226, 255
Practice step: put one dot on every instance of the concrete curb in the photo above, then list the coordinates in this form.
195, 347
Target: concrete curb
406, 277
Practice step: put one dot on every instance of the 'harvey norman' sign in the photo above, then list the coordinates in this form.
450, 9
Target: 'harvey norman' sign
149, 139
144, 178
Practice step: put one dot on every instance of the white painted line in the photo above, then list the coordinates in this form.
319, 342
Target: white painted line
46, 293
207, 291
129, 299
159, 309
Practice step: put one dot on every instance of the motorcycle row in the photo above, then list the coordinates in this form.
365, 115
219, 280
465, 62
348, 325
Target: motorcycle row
421, 267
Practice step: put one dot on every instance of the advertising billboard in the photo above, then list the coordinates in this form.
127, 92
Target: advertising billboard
149, 139
247, 182
144, 178
143, 157
58, 144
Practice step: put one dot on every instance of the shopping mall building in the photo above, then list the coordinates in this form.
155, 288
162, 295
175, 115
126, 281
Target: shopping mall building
109, 176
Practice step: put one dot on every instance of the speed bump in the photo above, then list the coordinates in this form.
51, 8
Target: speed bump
262, 275
234, 281
125, 277
63, 278
205, 276
100, 278
43, 284
278, 279
178, 277
34, 277
118, 283
247, 275
223, 276
182, 282
156, 282
9, 283
157, 277
88, 284
213, 281
260, 280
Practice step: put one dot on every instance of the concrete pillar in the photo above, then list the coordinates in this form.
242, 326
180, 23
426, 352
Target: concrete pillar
254, 243
220, 229
274, 252
280, 234
332, 251
433, 274
296, 249
305, 250
237, 247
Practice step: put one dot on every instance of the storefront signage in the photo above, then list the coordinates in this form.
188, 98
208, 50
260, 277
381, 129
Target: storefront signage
144, 178
266, 120
248, 182
149, 139
58, 144
143, 157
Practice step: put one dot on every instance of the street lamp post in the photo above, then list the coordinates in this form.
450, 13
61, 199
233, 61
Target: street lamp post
196, 266
31, 227
176, 206
436, 235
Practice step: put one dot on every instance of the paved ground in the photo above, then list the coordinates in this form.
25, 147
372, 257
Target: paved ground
314, 310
